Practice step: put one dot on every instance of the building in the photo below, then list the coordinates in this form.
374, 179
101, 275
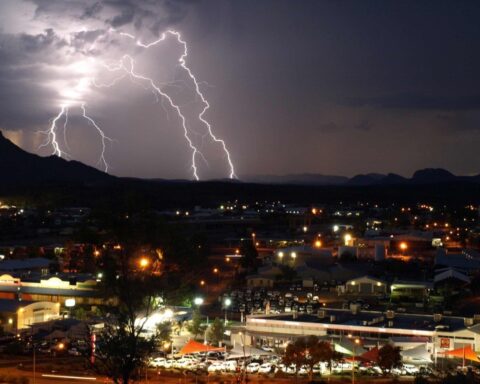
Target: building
16, 315
26, 266
258, 281
437, 332
53, 289
410, 290
364, 285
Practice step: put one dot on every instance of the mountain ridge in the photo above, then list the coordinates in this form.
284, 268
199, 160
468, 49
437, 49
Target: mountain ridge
18, 166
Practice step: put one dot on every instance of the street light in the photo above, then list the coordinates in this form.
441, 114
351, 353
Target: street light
293, 255
227, 303
144, 262
198, 301
347, 238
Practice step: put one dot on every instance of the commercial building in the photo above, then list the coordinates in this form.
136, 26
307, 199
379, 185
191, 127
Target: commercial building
56, 289
437, 333
17, 315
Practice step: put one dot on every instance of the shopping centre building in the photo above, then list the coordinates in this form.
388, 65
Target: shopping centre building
438, 333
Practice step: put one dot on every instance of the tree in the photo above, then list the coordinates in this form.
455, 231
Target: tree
295, 354
122, 348
216, 331
307, 351
317, 351
164, 334
195, 326
389, 357
249, 260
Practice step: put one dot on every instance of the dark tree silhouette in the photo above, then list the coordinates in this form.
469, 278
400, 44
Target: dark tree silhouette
389, 357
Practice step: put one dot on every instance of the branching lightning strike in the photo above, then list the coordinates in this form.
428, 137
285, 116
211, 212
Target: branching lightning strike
103, 137
52, 138
127, 64
206, 104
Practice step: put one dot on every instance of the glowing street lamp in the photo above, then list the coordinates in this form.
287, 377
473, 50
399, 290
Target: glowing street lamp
318, 244
403, 246
198, 301
293, 255
347, 239
144, 262
227, 303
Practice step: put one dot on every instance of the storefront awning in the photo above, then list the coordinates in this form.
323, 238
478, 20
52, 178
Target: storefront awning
465, 352
195, 347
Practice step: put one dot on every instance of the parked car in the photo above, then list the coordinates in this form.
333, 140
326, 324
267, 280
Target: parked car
253, 367
158, 362
266, 368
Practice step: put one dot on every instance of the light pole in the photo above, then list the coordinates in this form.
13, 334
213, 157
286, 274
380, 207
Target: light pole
34, 364
226, 304
357, 341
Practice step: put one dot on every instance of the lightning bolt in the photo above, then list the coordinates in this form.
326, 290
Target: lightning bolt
127, 64
51, 133
102, 135
53, 140
206, 104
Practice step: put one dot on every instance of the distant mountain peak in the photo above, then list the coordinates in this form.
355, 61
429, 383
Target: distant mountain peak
19, 166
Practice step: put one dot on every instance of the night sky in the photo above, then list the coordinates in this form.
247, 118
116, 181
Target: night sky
331, 87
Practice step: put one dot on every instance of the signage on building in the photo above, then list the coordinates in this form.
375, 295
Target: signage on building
445, 343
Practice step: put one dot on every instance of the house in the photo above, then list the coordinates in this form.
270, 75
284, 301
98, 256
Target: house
410, 290
365, 285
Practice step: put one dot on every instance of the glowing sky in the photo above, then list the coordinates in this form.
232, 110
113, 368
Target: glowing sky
332, 87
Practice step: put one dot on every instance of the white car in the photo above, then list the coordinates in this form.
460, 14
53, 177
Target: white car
182, 363
253, 367
230, 365
265, 368
267, 348
158, 362
410, 369
215, 367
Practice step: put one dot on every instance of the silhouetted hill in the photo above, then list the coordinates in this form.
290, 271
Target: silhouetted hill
19, 166
432, 175
423, 176
299, 179
368, 179
53, 182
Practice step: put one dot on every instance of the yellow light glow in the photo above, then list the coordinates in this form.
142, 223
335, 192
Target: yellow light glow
144, 262
318, 244
403, 246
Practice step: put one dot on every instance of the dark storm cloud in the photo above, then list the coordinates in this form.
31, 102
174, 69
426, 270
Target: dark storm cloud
459, 122
418, 101
337, 87
364, 125
26, 58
